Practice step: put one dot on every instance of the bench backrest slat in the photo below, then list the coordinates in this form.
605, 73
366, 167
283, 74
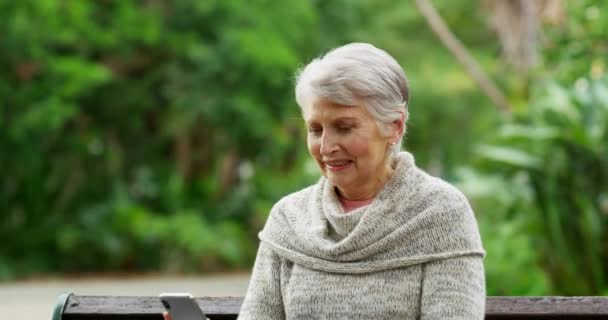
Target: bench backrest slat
117, 307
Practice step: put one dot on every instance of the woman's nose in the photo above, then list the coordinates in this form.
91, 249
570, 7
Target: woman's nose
328, 144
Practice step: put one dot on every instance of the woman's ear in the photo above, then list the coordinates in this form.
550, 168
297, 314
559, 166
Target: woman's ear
399, 127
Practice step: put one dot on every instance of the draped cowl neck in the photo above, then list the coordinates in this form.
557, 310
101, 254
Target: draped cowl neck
415, 218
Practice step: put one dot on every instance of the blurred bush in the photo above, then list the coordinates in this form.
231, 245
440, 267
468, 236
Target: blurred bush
135, 132
557, 153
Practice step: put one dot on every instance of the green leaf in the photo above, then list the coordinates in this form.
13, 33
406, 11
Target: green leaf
518, 131
557, 101
76, 76
510, 156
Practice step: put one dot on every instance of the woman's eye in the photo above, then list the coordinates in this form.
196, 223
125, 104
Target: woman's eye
344, 129
314, 130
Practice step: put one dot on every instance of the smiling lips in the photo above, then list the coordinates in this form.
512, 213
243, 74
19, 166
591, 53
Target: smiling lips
338, 165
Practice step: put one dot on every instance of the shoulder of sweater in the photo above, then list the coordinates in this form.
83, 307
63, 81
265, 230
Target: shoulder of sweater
449, 205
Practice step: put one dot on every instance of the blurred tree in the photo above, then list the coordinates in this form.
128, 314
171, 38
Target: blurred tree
559, 149
455, 46
123, 116
519, 27
553, 154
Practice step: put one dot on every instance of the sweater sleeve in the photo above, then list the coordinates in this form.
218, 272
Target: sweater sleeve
453, 289
263, 299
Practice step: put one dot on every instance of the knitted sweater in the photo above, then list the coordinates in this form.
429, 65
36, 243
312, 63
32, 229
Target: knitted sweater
413, 253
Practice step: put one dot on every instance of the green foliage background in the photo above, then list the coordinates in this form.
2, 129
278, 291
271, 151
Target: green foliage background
156, 135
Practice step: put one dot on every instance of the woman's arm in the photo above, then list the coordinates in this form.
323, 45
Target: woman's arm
453, 289
263, 299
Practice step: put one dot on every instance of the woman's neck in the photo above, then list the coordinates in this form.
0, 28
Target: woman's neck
350, 205
366, 192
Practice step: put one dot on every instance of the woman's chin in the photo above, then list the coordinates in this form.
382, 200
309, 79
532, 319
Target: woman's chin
337, 180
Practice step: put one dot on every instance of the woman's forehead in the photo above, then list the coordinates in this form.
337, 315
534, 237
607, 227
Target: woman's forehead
331, 110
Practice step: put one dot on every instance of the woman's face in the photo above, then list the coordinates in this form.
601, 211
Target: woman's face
348, 147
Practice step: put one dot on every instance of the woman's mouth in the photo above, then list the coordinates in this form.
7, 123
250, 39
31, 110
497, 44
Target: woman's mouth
338, 165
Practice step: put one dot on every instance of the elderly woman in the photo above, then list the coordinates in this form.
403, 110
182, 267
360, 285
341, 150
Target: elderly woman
375, 237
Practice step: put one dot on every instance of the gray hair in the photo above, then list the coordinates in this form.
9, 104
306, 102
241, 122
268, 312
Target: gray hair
355, 72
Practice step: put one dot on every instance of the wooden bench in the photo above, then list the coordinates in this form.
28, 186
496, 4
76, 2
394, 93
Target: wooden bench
74, 307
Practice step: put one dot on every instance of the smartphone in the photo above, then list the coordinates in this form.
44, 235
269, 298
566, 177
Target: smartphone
181, 306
